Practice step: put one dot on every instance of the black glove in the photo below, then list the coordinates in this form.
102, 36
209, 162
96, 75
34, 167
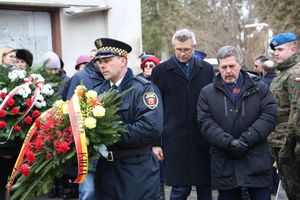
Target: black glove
238, 148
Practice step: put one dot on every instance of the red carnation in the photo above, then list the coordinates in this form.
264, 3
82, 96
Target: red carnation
28, 120
61, 147
15, 111
38, 143
2, 95
2, 124
24, 169
37, 123
2, 113
36, 114
10, 102
28, 102
30, 157
17, 128
47, 126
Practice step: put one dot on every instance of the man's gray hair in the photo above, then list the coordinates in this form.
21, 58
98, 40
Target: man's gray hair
228, 51
183, 35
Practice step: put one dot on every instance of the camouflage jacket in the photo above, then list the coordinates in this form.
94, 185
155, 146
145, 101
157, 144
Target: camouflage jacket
287, 94
297, 113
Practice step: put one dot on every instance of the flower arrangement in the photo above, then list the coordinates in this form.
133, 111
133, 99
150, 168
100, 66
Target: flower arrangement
24, 95
82, 126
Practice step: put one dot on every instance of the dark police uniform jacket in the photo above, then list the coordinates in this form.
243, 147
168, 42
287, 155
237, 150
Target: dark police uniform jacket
136, 177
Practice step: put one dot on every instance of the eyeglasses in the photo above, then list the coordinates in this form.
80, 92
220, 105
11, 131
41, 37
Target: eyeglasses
151, 65
185, 51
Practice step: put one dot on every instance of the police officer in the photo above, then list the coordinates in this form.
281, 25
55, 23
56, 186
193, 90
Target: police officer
284, 90
131, 171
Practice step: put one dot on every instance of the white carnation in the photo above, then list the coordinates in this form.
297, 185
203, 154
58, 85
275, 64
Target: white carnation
47, 90
21, 74
13, 75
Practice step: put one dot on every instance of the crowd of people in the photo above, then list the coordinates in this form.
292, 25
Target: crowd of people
234, 131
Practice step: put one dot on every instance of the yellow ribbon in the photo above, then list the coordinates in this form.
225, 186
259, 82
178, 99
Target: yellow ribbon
76, 120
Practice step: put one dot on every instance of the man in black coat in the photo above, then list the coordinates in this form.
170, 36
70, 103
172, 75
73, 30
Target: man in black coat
236, 115
131, 170
184, 151
269, 72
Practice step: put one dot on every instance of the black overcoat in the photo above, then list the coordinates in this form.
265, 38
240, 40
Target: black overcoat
186, 152
253, 119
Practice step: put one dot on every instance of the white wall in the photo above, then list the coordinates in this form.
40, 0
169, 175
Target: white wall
119, 19
78, 34
125, 23
122, 21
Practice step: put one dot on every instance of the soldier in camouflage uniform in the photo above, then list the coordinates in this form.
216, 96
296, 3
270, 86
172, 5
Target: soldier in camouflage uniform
285, 142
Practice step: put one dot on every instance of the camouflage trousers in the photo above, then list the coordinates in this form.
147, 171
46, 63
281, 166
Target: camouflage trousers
290, 179
289, 171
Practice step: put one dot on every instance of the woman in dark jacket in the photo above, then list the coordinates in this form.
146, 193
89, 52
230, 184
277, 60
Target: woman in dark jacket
236, 115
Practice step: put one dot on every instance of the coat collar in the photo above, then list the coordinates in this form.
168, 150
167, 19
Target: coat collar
172, 66
293, 60
92, 71
248, 81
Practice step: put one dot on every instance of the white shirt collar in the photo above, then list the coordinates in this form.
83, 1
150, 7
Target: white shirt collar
117, 83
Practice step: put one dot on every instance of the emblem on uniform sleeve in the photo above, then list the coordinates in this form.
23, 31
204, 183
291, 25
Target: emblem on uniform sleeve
150, 100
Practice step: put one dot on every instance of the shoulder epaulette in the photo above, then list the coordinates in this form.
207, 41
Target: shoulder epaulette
142, 80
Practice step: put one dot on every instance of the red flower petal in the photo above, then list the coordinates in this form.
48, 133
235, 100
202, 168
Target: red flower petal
17, 128
36, 114
24, 169
30, 157
2, 113
28, 120
15, 111
2, 124
10, 102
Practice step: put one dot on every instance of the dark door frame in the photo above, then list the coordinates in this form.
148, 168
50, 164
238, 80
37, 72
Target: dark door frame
55, 23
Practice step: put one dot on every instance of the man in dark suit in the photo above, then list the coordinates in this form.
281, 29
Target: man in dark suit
184, 150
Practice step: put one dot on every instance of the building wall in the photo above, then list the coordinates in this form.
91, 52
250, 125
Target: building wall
126, 25
117, 19
78, 34
122, 21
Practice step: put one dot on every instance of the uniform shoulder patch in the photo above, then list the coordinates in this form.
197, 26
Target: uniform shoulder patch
150, 100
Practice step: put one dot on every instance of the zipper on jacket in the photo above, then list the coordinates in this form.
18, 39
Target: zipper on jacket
243, 108
225, 106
